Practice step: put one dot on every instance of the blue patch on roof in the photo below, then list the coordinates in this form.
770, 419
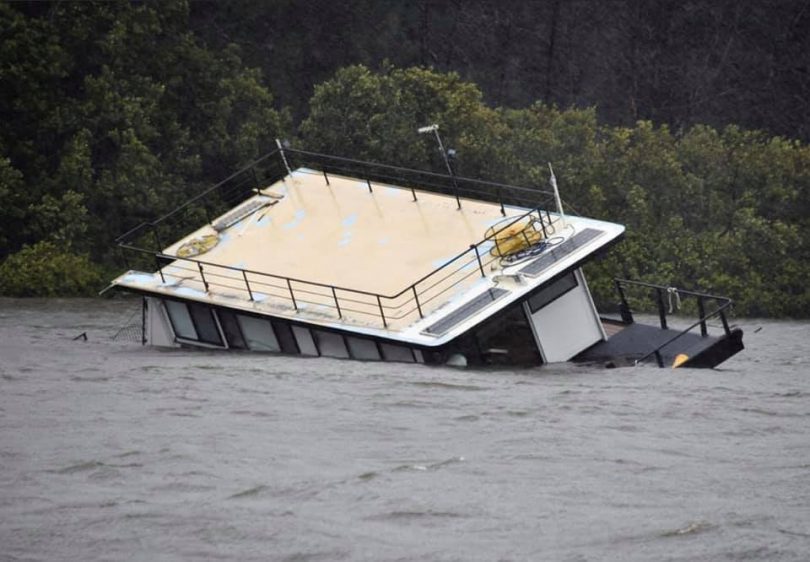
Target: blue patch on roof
349, 221
299, 216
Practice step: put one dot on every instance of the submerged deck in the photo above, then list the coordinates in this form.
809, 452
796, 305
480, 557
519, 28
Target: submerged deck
357, 255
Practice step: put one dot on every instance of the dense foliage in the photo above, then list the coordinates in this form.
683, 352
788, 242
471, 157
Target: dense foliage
115, 112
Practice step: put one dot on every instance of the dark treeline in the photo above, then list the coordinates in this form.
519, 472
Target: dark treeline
680, 62
683, 120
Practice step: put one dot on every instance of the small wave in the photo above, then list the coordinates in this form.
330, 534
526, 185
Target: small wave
406, 515
469, 417
250, 492
79, 467
369, 475
692, 528
77, 378
431, 466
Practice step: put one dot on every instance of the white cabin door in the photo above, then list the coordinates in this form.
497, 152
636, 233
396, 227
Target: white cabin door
563, 318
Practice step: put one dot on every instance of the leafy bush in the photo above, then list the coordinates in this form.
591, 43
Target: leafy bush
46, 270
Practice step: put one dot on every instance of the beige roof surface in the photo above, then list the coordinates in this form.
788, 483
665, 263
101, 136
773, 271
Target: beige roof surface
342, 235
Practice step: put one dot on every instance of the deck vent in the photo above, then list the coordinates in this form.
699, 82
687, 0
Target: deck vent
547, 259
478, 303
240, 212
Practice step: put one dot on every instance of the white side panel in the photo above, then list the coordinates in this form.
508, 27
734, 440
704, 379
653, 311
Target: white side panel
158, 330
567, 325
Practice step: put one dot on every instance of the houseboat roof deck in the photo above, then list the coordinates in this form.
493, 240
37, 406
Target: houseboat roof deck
363, 256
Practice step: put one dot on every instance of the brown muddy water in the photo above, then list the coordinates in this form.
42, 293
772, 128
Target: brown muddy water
113, 451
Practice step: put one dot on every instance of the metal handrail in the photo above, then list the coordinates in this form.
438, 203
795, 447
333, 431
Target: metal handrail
427, 181
723, 303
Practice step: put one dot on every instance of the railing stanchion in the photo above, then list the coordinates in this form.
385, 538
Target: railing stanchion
382, 314
478, 257
500, 200
157, 238
325, 176
543, 223
624, 306
413, 192
202, 276
662, 312
337, 304
292, 296
369, 186
659, 358
724, 320
416, 298
702, 312
257, 189
244, 276
160, 269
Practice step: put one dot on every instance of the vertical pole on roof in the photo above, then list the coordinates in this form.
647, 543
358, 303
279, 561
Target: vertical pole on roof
325, 176
553, 181
369, 186
435, 130
283, 157
500, 200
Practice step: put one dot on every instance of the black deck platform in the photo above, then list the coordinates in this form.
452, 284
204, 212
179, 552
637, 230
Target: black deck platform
630, 342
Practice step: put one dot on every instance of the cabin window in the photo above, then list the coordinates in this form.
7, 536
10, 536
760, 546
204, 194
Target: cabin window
181, 320
203, 318
306, 345
553, 291
286, 339
331, 344
363, 349
397, 353
258, 333
230, 325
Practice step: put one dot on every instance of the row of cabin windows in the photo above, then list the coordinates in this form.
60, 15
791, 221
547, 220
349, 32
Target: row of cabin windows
198, 323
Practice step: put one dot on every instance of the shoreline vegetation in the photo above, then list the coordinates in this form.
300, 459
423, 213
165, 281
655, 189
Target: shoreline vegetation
115, 113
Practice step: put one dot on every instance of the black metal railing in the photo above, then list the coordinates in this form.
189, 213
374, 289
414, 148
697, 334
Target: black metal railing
149, 239
668, 300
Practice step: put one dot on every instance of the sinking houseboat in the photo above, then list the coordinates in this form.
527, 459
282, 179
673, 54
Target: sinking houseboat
307, 254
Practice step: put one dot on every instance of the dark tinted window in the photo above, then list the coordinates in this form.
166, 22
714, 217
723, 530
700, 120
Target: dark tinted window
205, 323
552, 292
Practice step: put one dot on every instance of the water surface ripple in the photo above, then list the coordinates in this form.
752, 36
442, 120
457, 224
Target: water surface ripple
112, 451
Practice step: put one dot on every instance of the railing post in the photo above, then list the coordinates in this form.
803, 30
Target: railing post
202, 276
382, 314
283, 156
662, 311
369, 186
500, 200
542, 223
292, 296
624, 306
413, 193
416, 298
659, 358
702, 312
325, 176
337, 304
255, 180
724, 320
160, 269
157, 237
244, 276
478, 257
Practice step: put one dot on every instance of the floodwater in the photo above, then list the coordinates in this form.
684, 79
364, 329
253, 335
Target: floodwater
112, 451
